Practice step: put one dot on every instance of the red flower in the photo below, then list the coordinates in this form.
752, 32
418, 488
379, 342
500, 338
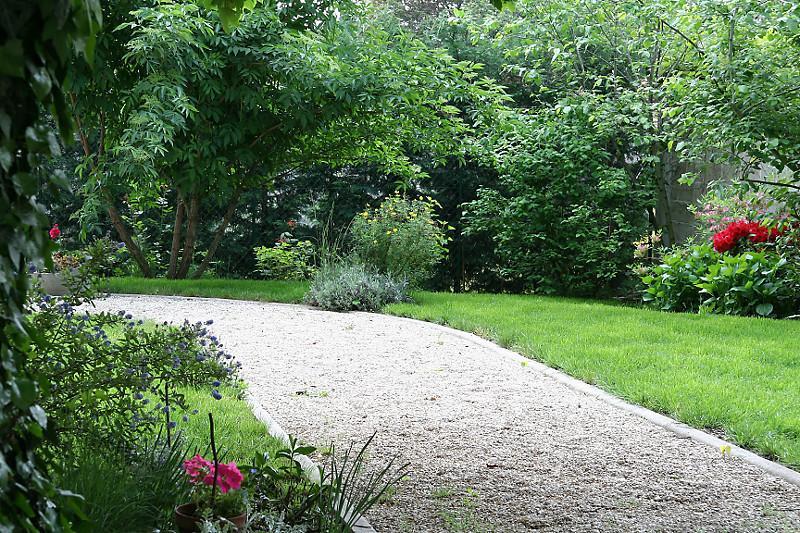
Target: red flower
55, 232
728, 238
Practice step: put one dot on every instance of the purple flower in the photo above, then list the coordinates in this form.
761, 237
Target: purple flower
209, 322
215, 393
138, 395
172, 424
216, 383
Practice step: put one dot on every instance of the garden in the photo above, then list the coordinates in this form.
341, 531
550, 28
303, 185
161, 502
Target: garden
610, 189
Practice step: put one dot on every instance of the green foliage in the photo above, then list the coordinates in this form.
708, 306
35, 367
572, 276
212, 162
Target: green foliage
334, 498
402, 237
37, 40
565, 214
127, 488
103, 370
672, 284
288, 259
361, 89
353, 287
751, 283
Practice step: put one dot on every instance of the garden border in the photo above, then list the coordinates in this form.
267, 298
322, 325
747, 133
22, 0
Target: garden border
309, 466
679, 428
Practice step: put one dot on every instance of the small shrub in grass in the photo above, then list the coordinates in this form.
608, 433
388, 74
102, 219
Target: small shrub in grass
672, 284
287, 259
696, 278
401, 237
354, 287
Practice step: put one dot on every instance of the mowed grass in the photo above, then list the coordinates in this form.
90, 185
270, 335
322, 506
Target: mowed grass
739, 375
239, 435
236, 289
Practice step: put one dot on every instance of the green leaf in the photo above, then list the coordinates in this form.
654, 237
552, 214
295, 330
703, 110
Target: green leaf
764, 309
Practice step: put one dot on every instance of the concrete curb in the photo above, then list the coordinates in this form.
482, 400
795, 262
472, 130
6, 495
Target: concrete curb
679, 428
309, 467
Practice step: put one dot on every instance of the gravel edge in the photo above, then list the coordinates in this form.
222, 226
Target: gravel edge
682, 430
309, 467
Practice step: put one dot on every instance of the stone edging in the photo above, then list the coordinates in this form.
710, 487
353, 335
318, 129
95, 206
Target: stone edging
309, 467
678, 428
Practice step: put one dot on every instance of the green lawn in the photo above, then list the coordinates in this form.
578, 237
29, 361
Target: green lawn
737, 375
239, 435
237, 289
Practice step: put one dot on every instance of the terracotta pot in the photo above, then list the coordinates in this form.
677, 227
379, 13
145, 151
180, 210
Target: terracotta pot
188, 522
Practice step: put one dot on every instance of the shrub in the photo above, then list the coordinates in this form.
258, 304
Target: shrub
103, 369
288, 259
696, 278
751, 283
672, 284
354, 287
401, 237
564, 214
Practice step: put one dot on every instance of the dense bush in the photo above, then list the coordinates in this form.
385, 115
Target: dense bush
354, 287
696, 278
401, 237
565, 214
287, 259
672, 284
113, 377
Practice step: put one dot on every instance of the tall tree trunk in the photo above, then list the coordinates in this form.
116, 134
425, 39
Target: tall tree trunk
234, 201
176, 238
191, 237
125, 235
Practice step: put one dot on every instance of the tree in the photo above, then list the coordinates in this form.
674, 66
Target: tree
215, 114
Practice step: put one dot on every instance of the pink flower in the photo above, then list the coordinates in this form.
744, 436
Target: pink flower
55, 232
196, 467
228, 478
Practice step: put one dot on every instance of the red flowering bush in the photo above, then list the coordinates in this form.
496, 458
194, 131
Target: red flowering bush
732, 235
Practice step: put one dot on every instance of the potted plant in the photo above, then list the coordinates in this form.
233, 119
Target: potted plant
216, 492
64, 264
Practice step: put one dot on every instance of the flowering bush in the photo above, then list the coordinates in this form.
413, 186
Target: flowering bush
201, 474
725, 204
401, 237
733, 234
110, 375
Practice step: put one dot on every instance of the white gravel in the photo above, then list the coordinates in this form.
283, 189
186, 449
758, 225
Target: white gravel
493, 445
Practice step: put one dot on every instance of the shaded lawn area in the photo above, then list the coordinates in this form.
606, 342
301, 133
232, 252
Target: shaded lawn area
236, 289
737, 375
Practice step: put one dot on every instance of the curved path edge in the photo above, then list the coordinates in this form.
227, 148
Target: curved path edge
679, 428
310, 468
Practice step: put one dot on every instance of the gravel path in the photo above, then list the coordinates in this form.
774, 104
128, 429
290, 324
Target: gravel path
493, 445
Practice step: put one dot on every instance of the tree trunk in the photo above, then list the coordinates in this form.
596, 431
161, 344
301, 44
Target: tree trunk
176, 238
191, 237
218, 234
125, 235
